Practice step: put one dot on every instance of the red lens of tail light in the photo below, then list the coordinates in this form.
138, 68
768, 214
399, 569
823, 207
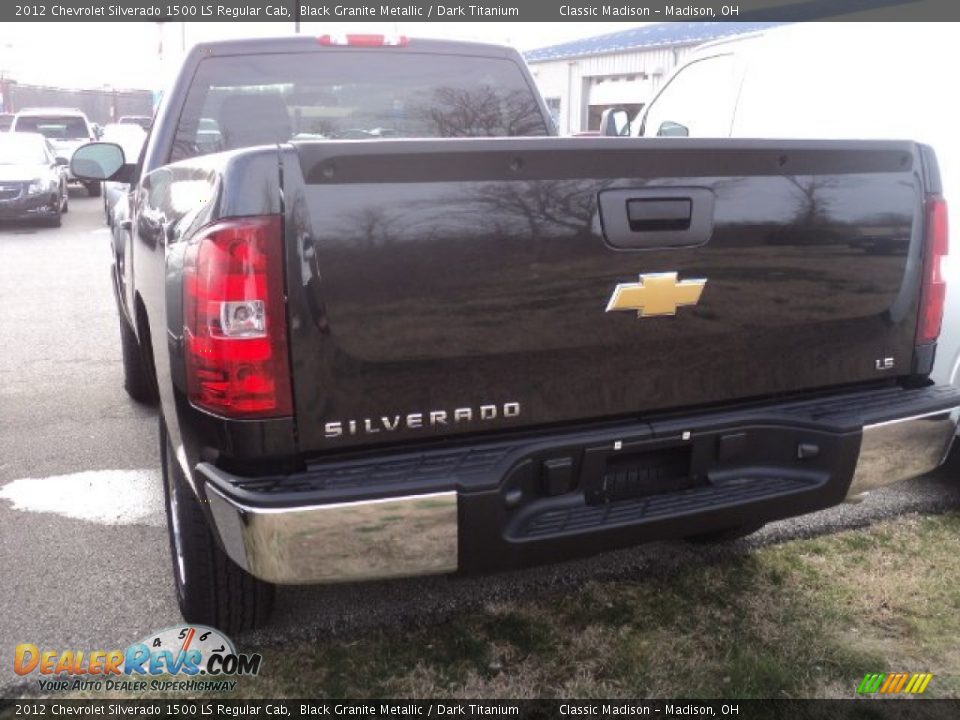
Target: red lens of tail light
934, 290
235, 327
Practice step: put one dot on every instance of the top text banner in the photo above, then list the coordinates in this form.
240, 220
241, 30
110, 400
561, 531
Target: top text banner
293, 11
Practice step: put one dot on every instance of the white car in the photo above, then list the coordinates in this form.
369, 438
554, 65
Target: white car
830, 81
65, 128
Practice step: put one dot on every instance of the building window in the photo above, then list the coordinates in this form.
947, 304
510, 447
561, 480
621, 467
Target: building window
553, 107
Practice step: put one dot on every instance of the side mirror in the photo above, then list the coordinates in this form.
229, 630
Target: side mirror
98, 161
668, 128
97, 130
62, 162
615, 122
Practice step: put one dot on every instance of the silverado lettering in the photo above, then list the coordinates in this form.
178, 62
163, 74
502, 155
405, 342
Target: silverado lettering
418, 420
287, 276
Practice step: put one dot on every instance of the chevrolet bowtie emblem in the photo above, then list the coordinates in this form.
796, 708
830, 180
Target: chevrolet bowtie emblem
656, 294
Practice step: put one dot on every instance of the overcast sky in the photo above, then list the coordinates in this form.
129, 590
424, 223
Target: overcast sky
126, 54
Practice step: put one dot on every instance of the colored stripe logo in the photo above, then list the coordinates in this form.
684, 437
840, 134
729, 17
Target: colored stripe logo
894, 683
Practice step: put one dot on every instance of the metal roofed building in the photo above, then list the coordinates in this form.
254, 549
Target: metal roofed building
582, 78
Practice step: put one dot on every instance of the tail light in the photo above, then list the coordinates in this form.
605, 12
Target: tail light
355, 40
933, 292
235, 329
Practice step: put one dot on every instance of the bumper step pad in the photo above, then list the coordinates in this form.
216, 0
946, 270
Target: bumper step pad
630, 512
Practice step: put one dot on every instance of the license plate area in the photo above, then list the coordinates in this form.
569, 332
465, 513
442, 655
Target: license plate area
635, 472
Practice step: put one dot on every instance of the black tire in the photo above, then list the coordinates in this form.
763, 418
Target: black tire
725, 535
54, 220
65, 205
211, 588
138, 379
93, 189
951, 466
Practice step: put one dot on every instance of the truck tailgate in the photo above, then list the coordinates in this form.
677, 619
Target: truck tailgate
441, 287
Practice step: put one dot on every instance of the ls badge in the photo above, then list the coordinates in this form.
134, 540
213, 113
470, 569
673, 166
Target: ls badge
657, 294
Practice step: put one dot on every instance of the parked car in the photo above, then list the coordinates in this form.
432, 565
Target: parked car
6, 120
65, 128
130, 137
208, 137
142, 121
462, 350
852, 86
33, 181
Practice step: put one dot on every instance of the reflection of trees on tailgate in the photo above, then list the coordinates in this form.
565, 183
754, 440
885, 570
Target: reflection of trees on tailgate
568, 204
812, 203
541, 213
480, 112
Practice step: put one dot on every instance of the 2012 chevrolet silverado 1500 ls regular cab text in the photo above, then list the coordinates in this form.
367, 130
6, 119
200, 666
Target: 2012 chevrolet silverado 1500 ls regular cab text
396, 328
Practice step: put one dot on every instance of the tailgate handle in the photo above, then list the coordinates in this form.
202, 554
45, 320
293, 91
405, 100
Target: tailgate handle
651, 218
653, 214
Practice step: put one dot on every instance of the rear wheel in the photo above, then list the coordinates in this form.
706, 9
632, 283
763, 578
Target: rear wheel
211, 588
952, 464
138, 379
93, 189
65, 203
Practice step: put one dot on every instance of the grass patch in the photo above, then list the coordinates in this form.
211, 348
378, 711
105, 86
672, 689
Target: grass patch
804, 619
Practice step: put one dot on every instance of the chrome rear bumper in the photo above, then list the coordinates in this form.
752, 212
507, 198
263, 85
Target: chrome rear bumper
433, 529
903, 448
342, 542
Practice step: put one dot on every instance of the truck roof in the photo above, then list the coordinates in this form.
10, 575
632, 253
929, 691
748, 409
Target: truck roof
303, 43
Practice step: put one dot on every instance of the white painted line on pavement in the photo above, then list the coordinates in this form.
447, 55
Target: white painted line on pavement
108, 497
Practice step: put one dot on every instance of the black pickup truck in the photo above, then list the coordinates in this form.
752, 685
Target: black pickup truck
395, 327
